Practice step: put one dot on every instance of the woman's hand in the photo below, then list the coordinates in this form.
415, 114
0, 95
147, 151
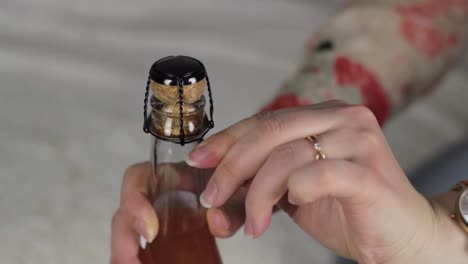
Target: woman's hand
135, 222
357, 201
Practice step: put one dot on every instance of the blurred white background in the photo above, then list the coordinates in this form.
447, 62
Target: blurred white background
72, 77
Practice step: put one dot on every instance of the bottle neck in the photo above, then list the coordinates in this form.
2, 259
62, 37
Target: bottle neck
167, 152
167, 122
175, 188
170, 168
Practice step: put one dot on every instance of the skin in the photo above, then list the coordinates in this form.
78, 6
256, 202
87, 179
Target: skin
358, 202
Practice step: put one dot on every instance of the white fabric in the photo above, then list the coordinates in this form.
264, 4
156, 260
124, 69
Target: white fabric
72, 76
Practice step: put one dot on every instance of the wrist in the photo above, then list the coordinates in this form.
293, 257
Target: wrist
451, 237
446, 242
440, 238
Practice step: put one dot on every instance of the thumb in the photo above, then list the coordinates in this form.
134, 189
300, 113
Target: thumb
226, 220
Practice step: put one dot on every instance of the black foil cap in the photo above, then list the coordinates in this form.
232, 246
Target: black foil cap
169, 70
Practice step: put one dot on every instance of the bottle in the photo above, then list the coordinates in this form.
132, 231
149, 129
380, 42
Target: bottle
177, 124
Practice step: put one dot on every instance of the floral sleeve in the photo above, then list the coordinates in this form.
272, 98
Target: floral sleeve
379, 53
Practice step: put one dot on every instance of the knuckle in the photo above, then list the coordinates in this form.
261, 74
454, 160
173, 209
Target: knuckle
369, 141
228, 169
260, 116
269, 123
361, 114
117, 217
284, 153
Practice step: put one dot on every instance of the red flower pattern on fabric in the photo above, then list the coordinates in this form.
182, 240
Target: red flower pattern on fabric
348, 72
285, 101
426, 38
418, 27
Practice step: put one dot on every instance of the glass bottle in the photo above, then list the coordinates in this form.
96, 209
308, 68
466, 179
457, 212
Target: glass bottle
177, 124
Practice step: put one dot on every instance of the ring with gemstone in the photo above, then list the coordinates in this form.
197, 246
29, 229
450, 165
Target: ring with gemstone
318, 148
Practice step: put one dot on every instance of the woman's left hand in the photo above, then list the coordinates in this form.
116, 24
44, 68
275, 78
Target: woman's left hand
357, 201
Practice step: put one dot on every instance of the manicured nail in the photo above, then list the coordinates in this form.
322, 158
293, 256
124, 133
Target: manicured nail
207, 198
142, 242
198, 156
292, 200
191, 163
144, 230
248, 230
151, 235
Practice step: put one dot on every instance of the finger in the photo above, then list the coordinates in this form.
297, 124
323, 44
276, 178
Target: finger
270, 183
226, 220
210, 152
135, 207
365, 146
136, 179
344, 180
124, 245
246, 156
354, 144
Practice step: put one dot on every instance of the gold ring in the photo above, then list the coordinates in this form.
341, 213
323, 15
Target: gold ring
318, 148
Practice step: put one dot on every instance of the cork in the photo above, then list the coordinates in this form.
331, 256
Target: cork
165, 116
170, 94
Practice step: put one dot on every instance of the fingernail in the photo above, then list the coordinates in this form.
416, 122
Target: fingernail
208, 197
248, 230
292, 200
142, 242
151, 235
198, 156
144, 230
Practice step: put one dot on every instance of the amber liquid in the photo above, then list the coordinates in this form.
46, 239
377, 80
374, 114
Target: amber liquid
184, 237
